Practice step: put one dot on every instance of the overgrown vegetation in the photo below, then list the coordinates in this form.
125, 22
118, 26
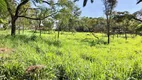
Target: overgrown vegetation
79, 56
58, 43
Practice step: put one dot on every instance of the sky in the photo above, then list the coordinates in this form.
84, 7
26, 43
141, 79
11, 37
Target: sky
96, 9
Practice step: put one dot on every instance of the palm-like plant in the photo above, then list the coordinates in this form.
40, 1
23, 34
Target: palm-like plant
139, 1
85, 2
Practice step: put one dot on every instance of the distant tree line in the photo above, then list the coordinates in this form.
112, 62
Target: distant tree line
64, 15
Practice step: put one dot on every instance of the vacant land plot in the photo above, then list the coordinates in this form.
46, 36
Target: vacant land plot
78, 56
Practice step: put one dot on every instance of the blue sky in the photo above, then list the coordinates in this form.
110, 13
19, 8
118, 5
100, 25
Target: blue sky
96, 9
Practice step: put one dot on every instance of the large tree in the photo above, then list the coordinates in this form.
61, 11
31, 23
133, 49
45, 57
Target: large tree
15, 9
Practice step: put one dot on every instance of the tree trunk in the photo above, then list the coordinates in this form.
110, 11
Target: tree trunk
136, 33
19, 30
117, 34
108, 29
13, 26
58, 32
35, 29
23, 29
40, 27
125, 34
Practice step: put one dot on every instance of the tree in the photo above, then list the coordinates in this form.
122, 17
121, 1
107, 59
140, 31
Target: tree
109, 5
62, 19
48, 24
64, 15
41, 11
16, 10
100, 25
133, 26
139, 29
127, 20
137, 16
74, 18
83, 24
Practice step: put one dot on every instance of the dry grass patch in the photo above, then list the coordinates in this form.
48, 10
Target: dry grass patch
6, 50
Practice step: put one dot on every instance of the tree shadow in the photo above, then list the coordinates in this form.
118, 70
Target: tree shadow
93, 42
42, 32
32, 38
22, 38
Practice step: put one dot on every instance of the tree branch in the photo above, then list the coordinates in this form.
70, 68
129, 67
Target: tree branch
25, 10
137, 19
48, 3
37, 18
19, 6
8, 8
139, 1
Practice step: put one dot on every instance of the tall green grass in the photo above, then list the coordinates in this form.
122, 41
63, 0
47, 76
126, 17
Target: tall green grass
73, 57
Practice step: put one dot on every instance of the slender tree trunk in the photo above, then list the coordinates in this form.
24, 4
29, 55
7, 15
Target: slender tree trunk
40, 27
19, 30
117, 34
35, 29
108, 28
23, 29
125, 33
58, 32
113, 34
136, 32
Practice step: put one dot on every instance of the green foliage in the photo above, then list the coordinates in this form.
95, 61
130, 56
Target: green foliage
139, 28
48, 23
109, 6
98, 41
2, 6
12, 70
2, 21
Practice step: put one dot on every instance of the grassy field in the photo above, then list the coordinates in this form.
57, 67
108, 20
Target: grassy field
78, 56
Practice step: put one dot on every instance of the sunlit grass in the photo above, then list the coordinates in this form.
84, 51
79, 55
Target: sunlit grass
78, 56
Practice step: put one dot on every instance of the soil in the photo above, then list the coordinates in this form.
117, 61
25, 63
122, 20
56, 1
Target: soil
34, 68
5, 50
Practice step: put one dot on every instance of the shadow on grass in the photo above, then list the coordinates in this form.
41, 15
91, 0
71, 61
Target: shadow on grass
33, 38
93, 42
136, 73
61, 73
88, 58
42, 32
22, 38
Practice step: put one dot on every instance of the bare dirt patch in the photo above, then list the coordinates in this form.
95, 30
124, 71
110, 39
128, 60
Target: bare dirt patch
32, 69
6, 50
